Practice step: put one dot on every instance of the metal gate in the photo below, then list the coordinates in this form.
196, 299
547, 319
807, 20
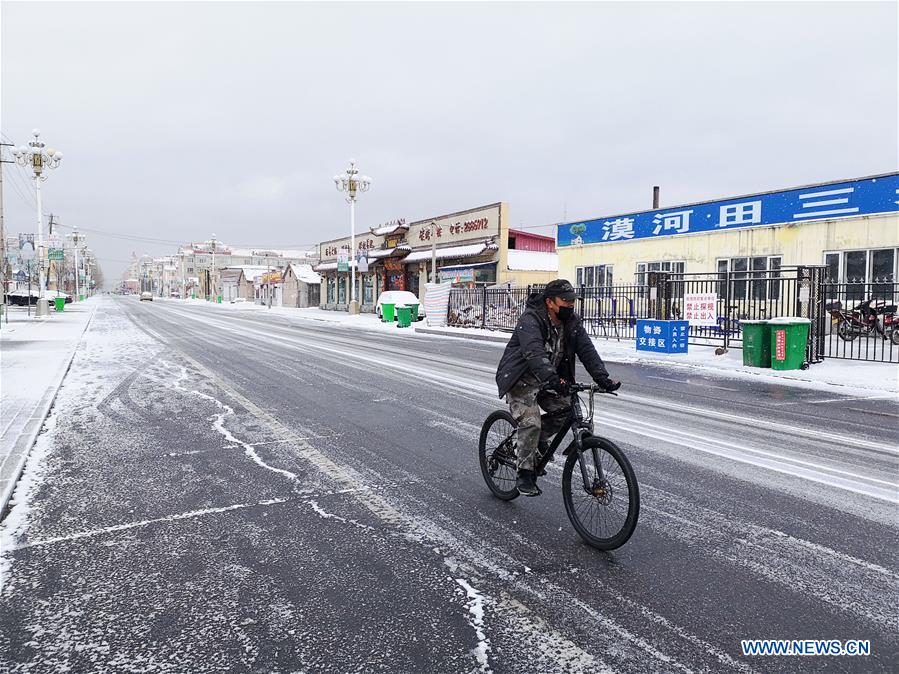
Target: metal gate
612, 311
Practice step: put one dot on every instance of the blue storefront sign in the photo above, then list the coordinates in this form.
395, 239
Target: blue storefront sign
820, 202
662, 336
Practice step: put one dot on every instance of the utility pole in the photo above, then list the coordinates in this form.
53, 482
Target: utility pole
50, 263
433, 251
76, 238
3, 261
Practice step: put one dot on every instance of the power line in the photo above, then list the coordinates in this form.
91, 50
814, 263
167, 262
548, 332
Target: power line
170, 242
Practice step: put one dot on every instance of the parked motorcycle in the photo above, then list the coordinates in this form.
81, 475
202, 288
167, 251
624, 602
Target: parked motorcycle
870, 316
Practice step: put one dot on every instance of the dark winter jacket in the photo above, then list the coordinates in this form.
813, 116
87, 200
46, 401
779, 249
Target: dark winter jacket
526, 351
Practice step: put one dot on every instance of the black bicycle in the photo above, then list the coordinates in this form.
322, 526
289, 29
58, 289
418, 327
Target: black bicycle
602, 498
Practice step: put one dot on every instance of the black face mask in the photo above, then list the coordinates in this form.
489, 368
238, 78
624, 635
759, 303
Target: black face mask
564, 313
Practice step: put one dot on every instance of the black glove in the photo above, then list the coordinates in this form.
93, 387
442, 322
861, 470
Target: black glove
558, 385
608, 385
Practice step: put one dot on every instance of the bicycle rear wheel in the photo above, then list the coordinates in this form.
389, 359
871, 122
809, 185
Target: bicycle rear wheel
606, 515
496, 454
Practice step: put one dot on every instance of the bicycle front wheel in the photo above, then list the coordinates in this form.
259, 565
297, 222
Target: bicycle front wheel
496, 454
604, 511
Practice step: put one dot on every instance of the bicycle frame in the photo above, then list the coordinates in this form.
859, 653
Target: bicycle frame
581, 426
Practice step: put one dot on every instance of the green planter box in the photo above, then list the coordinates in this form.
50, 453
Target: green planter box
403, 317
789, 337
756, 343
387, 312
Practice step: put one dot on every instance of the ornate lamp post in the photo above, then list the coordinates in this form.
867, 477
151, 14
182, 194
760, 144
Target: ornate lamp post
37, 158
352, 183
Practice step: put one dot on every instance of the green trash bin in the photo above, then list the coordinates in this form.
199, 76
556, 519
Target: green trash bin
60, 303
81, 298
414, 310
756, 343
387, 313
218, 299
403, 316
789, 337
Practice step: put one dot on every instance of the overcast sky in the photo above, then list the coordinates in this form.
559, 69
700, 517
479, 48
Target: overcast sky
178, 120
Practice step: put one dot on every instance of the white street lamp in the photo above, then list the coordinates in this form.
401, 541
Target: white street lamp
352, 183
37, 158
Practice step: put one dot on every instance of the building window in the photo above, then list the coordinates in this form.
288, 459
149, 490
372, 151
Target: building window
756, 278
341, 291
858, 267
669, 266
331, 294
862, 266
368, 288
596, 276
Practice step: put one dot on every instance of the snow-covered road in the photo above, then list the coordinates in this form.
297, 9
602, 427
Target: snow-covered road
220, 491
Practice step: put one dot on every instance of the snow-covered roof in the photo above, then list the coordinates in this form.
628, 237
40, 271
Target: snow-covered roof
251, 272
389, 229
532, 260
387, 252
331, 266
304, 273
472, 250
273, 252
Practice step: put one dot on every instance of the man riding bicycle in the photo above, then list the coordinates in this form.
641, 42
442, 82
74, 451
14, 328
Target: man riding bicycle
535, 370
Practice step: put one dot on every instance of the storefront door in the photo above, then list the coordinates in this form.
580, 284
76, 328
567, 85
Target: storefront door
412, 279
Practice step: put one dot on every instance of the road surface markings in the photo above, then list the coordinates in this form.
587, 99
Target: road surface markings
425, 532
144, 523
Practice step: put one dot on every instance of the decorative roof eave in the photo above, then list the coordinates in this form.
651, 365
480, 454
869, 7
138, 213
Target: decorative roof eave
387, 230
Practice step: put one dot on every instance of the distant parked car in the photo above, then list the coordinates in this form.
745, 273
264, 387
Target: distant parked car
146, 296
238, 300
398, 297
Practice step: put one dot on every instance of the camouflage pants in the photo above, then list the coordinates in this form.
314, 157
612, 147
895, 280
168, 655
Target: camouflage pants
525, 400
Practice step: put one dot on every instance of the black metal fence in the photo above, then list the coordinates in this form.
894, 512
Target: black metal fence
612, 311
491, 308
860, 321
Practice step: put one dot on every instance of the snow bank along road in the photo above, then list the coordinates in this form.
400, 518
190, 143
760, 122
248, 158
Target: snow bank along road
218, 492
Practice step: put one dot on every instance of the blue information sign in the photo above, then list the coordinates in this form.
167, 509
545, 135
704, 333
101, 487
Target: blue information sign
662, 336
820, 202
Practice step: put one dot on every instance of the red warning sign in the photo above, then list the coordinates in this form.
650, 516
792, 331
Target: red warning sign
780, 344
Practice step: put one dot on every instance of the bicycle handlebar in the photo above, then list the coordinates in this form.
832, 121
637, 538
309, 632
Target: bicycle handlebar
591, 387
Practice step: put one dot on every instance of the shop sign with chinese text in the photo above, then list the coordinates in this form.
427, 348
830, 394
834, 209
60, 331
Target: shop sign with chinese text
820, 202
457, 275
700, 309
479, 224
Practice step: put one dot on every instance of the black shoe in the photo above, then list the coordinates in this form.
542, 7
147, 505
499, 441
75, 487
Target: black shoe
527, 483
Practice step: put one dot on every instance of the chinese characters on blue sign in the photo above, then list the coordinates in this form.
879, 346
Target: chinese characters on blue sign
839, 200
662, 336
